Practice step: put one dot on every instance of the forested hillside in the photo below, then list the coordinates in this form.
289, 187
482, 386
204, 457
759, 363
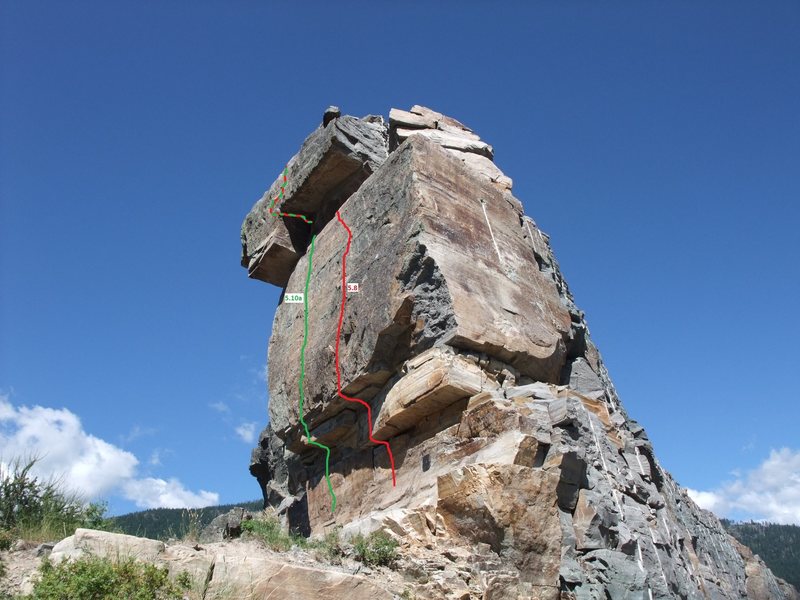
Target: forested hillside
165, 523
777, 545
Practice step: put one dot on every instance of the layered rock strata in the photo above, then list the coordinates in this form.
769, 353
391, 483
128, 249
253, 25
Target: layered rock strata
512, 450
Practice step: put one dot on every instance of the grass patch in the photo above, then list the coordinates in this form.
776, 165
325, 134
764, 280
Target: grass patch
103, 579
194, 524
330, 547
376, 549
41, 510
268, 529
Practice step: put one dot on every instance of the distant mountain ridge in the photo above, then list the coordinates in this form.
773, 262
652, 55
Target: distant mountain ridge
777, 545
166, 523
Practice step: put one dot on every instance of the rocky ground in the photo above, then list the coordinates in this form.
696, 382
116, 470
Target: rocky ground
220, 570
246, 569
20, 562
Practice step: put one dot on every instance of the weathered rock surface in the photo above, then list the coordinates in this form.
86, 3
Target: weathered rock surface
242, 570
459, 139
103, 543
334, 161
460, 273
515, 460
226, 526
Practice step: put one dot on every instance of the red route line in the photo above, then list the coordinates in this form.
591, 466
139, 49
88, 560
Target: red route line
339, 337
273, 210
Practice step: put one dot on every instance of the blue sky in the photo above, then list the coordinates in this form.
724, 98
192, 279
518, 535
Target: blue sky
657, 143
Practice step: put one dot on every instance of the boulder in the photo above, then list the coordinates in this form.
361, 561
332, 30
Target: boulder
226, 526
450, 140
331, 113
239, 573
331, 164
434, 380
104, 543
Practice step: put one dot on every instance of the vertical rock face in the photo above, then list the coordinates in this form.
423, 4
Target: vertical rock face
512, 455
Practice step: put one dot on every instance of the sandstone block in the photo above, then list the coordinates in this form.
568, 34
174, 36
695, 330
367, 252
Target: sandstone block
332, 163
491, 418
275, 256
531, 452
335, 428
104, 543
510, 508
238, 574
439, 118
435, 379
485, 168
409, 120
558, 411
537, 390
448, 139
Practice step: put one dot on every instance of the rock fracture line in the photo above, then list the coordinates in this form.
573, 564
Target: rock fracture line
338, 339
303, 377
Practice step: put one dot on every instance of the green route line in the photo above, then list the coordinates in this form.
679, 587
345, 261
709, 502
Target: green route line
277, 213
303, 376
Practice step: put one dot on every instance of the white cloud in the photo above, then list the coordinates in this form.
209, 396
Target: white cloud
87, 464
770, 492
83, 462
136, 432
220, 407
247, 432
707, 500
158, 493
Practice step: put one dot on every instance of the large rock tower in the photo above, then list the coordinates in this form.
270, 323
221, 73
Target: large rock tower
497, 444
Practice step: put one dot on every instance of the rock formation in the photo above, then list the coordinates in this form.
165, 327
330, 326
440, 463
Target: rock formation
241, 570
518, 472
